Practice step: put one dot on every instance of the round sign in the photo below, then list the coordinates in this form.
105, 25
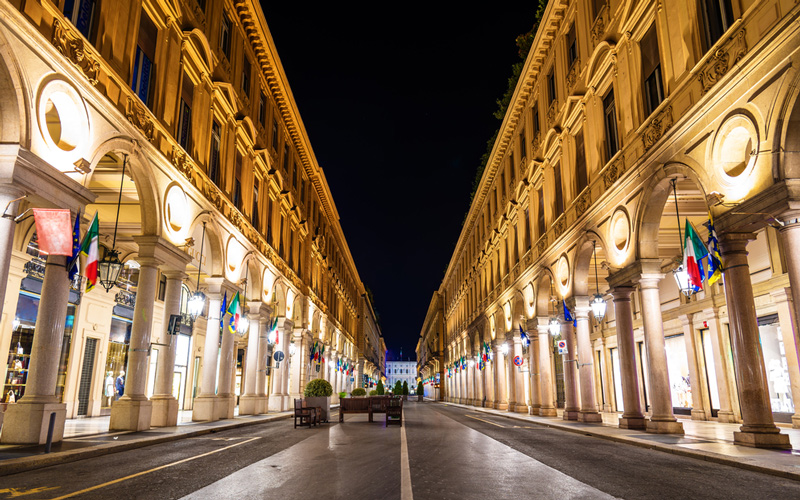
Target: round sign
562, 344
278, 356
518, 360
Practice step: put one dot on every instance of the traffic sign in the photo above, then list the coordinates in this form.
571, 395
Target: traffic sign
562, 347
278, 356
518, 360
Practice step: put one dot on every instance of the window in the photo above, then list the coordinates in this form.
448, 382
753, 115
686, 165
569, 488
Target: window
551, 86
246, 76
280, 239
295, 175
717, 16
81, 14
540, 222
254, 212
225, 36
572, 46
143, 68
185, 117
527, 229
610, 113
558, 207
269, 219
237, 182
285, 164
651, 71
262, 109
274, 134
213, 162
523, 146
597, 6
535, 120
581, 178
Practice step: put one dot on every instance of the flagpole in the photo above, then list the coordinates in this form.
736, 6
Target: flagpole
677, 214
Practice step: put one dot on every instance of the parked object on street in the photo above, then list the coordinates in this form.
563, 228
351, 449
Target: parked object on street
318, 394
394, 411
306, 415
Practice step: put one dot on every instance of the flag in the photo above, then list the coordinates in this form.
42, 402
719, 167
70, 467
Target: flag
89, 249
567, 315
693, 252
312, 356
234, 310
523, 336
714, 258
52, 230
223, 308
76, 247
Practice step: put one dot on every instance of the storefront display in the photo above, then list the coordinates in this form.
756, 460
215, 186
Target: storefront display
780, 394
711, 371
617, 375
117, 358
678, 367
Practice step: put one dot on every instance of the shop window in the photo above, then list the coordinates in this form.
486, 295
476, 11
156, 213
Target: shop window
581, 177
617, 379
774, 352
143, 67
214, 160
117, 358
610, 116
710, 371
651, 71
225, 36
717, 17
678, 368
82, 14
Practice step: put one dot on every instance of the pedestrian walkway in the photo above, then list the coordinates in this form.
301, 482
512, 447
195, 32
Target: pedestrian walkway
711, 441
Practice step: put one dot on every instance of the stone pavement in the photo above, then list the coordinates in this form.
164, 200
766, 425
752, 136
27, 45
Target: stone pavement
711, 441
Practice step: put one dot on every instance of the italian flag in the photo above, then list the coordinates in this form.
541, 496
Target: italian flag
89, 249
234, 311
694, 251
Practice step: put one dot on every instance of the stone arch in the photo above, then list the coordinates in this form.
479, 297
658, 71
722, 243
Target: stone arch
583, 270
202, 43
603, 54
542, 300
213, 243
15, 109
787, 141
517, 309
298, 311
279, 298
251, 270
647, 220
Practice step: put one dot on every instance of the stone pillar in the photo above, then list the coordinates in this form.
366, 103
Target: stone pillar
783, 299
662, 420
721, 367
205, 402
300, 365
226, 400
27, 421
165, 406
547, 408
7, 227
263, 359
488, 382
758, 429
249, 402
520, 398
699, 402
133, 411
571, 407
588, 411
500, 383
533, 366
279, 397
632, 417
509, 373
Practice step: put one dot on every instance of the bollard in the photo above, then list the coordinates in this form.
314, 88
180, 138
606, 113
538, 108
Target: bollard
49, 442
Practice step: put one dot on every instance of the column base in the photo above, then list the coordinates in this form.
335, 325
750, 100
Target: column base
520, 408
501, 406
589, 416
534, 410
548, 412
488, 403
632, 423
224, 406
131, 415
165, 411
726, 417
795, 421
203, 410
248, 405
664, 427
276, 402
570, 414
27, 423
699, 415
262, 404
762, 440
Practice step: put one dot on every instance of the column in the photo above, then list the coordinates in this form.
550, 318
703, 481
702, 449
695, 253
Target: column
783, 299
226, 400
473, 390
758, 429
662, 420
571, 407
510, 374
488, 382
165, 406
699, 400
279, 397
204, 403
500, 387
533, 366
27, 421
547, 408
249, 401
133, 411
7, 227
721, 367
265, 318
790, 237
520, 398
588, 411
300, 363
632, 417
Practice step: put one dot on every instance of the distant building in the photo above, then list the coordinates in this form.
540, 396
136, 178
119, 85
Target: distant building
404, 371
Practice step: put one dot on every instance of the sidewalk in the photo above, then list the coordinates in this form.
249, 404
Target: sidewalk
711, 441
90, 437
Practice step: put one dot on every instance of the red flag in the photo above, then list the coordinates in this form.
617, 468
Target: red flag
54, 231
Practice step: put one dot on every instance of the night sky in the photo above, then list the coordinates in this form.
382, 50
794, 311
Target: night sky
398, 108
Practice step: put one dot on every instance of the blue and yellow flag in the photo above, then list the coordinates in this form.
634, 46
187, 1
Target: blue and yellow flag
714, 258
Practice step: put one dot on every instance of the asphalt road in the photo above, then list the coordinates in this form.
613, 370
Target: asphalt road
442, 452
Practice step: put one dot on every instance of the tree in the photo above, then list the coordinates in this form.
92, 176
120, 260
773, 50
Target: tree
405, 388
380, 388
398, 388
420, 389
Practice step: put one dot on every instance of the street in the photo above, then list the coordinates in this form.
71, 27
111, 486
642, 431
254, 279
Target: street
441, 452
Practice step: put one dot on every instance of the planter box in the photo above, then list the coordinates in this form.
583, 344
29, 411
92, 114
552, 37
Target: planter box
323, 402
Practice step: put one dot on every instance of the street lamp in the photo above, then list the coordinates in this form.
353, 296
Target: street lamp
292, 349
504, 349
198, 300
244, 323
598, 305
109, 267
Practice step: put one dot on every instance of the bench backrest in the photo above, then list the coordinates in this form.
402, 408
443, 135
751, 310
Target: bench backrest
354, 404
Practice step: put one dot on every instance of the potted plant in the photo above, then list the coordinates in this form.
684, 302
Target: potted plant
358, 392
318, 393
342, 395
405, 391
420, 391
373, 392
380, 388
398, 389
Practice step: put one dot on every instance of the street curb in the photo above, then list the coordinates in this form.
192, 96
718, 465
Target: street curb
23, 464
697, 454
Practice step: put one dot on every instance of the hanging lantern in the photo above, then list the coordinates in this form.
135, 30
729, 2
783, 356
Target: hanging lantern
682, 279
554, 327
196, 304
108, 270
598, 306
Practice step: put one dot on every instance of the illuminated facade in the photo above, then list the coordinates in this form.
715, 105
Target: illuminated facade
430, 349
221, 193
629, 119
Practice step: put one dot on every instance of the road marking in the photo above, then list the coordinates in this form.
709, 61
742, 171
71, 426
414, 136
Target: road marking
405, 470
21, 492
488, 422
109, 483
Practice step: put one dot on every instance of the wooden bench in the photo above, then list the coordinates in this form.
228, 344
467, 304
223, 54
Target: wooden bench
306, 415
394, 411
378, 405
354, 405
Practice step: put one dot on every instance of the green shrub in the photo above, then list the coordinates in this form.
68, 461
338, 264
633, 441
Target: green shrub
405, 388
318, 387
420, 389
342, 395
380, 388
373, 392
398, 388
358, 392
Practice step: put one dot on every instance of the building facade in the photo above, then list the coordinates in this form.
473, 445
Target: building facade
403, 372
172, 120
430, 349
630, 121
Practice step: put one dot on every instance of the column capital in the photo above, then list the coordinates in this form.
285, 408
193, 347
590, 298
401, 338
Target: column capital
649, 280
542, 325
217, 285
167, 254
686, 319
580, 305
732, 243
781, 295
172, 274
622, 293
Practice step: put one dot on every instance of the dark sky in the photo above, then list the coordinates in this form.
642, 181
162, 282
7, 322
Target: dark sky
398, 107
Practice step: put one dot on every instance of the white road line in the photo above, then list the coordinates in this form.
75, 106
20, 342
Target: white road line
405, 470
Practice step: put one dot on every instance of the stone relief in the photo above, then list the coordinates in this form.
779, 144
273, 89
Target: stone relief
139, 117
71, 45
656, 128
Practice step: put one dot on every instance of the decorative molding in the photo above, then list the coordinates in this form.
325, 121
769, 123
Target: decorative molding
599, 26
551, 112
719, 63
572, 76
182, 162
139, 117
583, 203
559, 227
72, 46
656, 128
541, 245
613, 172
